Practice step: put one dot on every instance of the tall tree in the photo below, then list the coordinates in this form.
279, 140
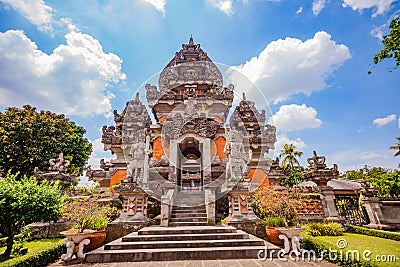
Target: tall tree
29, 139
391, 43
290, 163
24, 202
396, 147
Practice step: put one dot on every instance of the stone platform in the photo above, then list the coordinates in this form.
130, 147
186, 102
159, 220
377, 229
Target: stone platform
181, 243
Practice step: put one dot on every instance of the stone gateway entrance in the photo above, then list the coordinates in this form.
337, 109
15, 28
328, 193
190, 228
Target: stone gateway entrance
192, 150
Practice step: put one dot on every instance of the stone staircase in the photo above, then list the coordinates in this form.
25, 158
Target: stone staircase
181, 243
188, 216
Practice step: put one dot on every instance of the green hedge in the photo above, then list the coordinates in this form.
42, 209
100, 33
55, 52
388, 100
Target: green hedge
310, 243
42, 258
324, 229
373, 232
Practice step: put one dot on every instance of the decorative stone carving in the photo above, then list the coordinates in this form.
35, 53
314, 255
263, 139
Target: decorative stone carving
58, 171
237, 157
319, 173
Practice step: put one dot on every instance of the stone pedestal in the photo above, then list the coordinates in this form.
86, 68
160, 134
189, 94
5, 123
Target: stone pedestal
240, 210
134, 203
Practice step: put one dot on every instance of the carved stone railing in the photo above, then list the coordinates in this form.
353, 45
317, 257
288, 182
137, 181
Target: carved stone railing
167, 202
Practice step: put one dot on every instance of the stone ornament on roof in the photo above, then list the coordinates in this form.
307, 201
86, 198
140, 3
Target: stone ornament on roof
317, 162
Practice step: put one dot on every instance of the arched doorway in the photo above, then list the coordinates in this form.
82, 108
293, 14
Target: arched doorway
190, 175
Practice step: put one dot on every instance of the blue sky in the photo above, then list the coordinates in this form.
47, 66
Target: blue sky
309, 58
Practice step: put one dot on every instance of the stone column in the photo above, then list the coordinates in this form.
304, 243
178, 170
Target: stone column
374, 211
210, 205
328, 202
146, 162
206, 160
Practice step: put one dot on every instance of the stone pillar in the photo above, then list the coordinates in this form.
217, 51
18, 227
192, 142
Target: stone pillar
240, 210
328, 202
210, 205
173, 152
374, 211
206, 160
147, 152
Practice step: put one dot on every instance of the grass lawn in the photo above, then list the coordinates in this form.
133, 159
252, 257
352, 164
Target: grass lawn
34, 247
381, 248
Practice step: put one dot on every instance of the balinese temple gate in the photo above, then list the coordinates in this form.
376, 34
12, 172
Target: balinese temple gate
196, 150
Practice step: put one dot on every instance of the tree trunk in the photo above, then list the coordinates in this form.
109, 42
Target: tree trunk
10, 243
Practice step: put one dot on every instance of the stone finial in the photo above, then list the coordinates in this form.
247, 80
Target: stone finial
317, 162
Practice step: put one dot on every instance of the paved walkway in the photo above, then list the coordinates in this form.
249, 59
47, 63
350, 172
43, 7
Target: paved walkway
205, 263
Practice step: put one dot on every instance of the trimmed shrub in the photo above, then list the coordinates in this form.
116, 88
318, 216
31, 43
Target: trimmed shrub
324, 229
373, 232
320, 248
42, 258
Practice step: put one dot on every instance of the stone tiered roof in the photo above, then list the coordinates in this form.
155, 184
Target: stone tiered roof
189, 52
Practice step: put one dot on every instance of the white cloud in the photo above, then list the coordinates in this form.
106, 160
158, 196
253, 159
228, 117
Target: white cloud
282, 139
157, 4
317, 6
380, 6
223, 5
73, 79
290, 66
36, 11
295, 117
351, 159
299, 11
383, 121
98, 153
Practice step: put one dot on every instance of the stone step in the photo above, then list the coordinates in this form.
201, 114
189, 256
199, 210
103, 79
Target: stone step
158, 230
167, 254
188, 214
134, 237
188, 211
177, 224
188, 219
176, 208
119, 245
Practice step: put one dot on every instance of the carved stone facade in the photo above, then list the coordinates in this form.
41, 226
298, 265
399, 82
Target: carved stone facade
190, 146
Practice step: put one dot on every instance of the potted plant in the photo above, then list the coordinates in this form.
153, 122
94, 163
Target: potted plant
90, 219
278, 209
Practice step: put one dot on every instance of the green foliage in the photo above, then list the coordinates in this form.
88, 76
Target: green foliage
294, 177
29, 139
324, 229
321, 247
24, 201
396, 147
18, 245
267, 202
391, 43
88, 213
386, 181
373, 232
274, 221
290, 164
40, 253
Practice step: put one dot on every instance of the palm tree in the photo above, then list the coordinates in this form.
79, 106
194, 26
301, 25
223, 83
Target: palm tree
397, 146
289, 155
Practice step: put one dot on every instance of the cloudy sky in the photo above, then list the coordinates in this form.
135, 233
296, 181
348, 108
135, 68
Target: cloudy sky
309, 58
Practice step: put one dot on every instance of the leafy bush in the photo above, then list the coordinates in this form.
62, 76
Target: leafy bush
274, 221
320, 248
40, 253
324, 229
373, 232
